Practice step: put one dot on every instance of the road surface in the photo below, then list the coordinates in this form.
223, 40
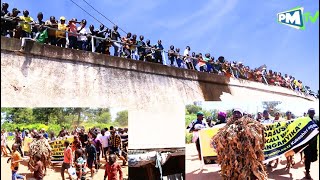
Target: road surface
210, 172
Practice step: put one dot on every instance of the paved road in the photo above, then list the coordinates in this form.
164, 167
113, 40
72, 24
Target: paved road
193, 171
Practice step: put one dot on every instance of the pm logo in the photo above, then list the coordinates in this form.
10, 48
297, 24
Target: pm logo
296, 18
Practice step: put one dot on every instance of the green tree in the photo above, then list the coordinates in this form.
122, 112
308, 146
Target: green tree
122, 118
271, 106
193, 109
17, 115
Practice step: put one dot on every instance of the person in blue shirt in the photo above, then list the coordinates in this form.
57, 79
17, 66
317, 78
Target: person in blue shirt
158, 52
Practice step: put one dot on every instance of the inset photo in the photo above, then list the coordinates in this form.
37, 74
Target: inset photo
255, 140
64, 143
157, 164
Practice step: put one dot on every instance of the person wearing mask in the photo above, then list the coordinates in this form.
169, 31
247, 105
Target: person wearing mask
194, 127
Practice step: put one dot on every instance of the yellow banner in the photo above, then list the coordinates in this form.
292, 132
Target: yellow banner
26, 144
57, 145
280, 137
205, 136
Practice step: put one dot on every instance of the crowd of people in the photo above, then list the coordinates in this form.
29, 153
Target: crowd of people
310, 152
85, 151
75, 34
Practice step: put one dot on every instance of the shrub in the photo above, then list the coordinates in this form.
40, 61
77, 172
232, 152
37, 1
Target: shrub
188, 138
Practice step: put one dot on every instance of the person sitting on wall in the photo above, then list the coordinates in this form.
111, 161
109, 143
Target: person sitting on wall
41, 37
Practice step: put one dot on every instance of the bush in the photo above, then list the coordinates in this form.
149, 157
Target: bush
188, 138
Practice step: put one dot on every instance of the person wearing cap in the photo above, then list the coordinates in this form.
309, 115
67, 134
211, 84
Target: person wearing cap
193, 128
61, 35
311, 151
25, 24
237, 113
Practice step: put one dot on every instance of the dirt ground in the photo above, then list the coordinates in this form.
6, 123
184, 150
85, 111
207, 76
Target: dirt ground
53, 173
193, 171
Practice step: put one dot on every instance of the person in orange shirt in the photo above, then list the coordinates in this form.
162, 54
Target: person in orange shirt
112, 169
15, 161
67, 159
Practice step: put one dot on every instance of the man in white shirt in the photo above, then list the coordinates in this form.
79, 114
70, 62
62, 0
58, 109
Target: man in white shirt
194, 127
187, 58
266, 118
82, 39
104, 141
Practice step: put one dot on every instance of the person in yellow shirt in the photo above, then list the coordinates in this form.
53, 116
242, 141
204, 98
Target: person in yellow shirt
15, 161
61, 35
25, 24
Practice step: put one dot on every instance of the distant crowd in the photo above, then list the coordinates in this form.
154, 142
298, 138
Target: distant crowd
75, 34
86, 150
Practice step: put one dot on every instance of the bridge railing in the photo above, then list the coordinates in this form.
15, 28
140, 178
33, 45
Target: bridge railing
134, 53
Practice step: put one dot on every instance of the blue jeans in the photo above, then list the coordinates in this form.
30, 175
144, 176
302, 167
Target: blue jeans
82, 45
179, 62
15, 175
116, 47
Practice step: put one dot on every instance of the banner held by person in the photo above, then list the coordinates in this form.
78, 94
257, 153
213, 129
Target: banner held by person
280, 137
58, 148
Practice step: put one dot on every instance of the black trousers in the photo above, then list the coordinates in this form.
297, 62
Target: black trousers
307, 164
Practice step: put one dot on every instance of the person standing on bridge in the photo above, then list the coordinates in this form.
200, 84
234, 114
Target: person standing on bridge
311, 152
194, 127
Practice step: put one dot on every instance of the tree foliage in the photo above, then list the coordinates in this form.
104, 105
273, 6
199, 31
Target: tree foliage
271, 106
193, 109
122, 118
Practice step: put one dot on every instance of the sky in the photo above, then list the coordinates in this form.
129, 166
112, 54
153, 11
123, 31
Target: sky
256, 106
245, 31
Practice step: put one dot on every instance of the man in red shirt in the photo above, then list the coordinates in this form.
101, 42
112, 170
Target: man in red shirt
67, 159
112, 169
